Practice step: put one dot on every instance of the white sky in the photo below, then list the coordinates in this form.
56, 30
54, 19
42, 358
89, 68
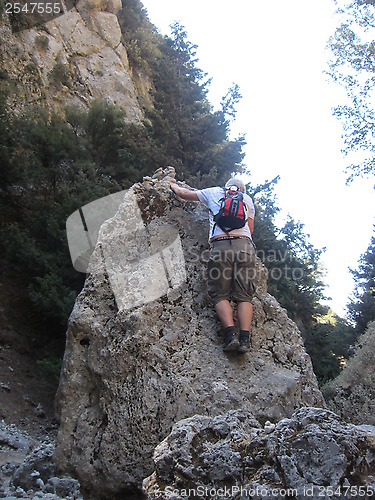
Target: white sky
275, 52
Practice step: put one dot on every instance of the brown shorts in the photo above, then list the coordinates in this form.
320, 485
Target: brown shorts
231, 270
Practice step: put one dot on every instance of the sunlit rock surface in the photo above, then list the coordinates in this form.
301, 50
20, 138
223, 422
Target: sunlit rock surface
73, 59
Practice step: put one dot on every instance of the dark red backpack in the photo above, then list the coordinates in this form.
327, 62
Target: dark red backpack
232, 213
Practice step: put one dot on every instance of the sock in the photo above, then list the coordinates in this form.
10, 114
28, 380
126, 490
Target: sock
229, 329
244, 333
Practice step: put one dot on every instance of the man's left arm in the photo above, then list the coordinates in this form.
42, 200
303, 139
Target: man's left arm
250, 222
184, 193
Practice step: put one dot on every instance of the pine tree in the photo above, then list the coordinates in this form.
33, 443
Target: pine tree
362, 306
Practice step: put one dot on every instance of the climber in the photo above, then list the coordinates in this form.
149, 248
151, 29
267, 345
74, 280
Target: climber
231, 267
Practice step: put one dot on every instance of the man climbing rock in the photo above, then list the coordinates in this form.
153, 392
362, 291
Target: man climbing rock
231, 268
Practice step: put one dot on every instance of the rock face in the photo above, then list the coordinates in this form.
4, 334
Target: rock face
73, 59
311, 455
144, 348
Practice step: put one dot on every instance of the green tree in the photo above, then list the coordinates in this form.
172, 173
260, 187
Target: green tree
326, 363
53, 173
362, 305
353, 66
330, 343
181, 127
295, 276
139, 36
195, 137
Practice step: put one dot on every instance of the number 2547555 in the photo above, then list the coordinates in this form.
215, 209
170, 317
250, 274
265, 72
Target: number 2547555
33, 8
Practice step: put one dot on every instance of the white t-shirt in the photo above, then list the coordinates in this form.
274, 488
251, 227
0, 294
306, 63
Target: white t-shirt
211, 197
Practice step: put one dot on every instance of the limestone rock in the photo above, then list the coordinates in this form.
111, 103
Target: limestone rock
144, 348
108, 28
313, 454
37, 467
74, 59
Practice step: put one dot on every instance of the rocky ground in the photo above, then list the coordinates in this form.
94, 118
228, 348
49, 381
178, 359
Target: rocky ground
27, 424
28, 431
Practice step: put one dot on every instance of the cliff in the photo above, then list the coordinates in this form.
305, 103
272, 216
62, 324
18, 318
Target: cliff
73, 59
144, 348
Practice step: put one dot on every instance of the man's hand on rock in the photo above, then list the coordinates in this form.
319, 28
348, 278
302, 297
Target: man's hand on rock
184, 193
174, 188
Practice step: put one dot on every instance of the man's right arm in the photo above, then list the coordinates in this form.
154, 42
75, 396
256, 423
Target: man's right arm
251, 212
184, 193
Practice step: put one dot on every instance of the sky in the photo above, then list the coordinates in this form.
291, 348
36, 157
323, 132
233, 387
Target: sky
276, 52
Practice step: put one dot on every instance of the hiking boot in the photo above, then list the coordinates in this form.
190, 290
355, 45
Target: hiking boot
244, 343
230, 340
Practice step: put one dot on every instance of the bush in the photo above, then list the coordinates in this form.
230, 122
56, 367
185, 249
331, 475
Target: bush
41, 42
60, 75
352, 393
51, 366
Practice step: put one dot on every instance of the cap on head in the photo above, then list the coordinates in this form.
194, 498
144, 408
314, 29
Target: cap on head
235, 182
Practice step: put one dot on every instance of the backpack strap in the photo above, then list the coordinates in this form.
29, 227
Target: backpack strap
213, 215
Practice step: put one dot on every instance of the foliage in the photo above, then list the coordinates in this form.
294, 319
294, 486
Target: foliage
185, 131
51, 366
294, 271
60, 75
352, 393
362, 305
55, 166
41, 42
192, 133
139, 36
353, 66
329, 343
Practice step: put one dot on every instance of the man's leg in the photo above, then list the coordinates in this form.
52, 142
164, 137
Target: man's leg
243, 289
224, 312
219, 284
245, 315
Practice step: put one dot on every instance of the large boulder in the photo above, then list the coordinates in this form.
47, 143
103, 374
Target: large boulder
313, 454
144, 349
